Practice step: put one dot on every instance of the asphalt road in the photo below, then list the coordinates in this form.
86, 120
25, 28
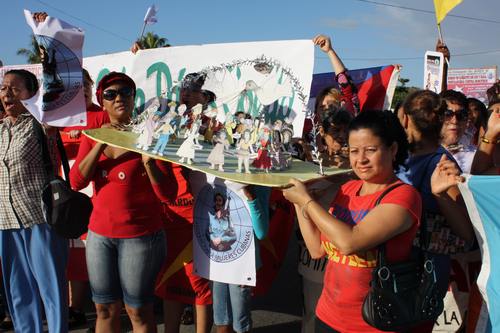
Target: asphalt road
276, 312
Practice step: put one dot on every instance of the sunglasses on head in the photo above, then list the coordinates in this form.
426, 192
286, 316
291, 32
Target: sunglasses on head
111, 94
461, 114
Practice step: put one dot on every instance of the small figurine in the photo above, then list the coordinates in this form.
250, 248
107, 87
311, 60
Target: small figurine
164, 132
230, 126
263, 160
212, 126
187, 148
244, 148
279, 159
146, 137
179, 121
216, 156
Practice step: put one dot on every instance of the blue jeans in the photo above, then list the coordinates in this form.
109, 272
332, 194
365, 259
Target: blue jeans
34, 270
232, 306
124, 268
162, 143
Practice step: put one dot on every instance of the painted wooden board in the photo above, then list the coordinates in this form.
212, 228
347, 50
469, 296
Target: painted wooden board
304, 171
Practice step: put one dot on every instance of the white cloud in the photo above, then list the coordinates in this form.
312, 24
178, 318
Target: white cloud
340, 23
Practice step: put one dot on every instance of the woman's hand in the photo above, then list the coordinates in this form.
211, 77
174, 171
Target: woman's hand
74, 134
147, 160
323, 42
493, 129
135, 47
442, 48
40, 16
445, 175
297, 193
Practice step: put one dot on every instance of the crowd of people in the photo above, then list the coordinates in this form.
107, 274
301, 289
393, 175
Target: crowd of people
143, 209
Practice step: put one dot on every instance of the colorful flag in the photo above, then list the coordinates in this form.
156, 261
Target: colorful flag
150, 17
481, 197
443, 7
375, 85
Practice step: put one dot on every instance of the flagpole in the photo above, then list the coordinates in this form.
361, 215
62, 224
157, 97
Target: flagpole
440, 33
142, 31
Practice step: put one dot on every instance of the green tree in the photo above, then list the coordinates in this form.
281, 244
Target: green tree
152, 41
401, 91
32, 54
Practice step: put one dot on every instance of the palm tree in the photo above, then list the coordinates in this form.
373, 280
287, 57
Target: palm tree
152, 41
32, 53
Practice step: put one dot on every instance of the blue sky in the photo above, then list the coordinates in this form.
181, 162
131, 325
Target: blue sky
363, 34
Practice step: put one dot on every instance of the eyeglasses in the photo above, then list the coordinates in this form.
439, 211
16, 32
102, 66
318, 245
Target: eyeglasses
111, 94
460, 114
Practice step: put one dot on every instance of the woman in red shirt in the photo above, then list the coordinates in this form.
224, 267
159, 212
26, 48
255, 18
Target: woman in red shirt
126, 243
353, 227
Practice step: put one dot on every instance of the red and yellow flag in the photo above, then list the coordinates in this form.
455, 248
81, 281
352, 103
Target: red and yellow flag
443, 7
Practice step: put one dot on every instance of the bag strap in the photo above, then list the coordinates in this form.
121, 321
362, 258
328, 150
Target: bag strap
47, 162
381, 257
423, 235
63, 156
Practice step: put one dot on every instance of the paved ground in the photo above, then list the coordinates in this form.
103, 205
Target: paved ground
277, 312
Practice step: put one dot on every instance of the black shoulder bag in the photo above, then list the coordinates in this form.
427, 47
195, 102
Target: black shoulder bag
66, 211
403, 294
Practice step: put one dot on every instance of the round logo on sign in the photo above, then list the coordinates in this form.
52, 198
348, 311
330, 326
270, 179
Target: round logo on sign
222, 223
62, 73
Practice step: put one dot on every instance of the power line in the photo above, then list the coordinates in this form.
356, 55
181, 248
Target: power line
413, 58
85, 22
428, 11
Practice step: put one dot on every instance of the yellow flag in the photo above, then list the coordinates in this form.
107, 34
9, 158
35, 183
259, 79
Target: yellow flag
443, 7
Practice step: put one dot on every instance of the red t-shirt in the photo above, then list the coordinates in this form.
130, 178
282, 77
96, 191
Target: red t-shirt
96, 117
179, 211
347, 278
126, 204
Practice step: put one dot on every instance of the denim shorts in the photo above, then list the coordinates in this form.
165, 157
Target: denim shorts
232, 306
124, 268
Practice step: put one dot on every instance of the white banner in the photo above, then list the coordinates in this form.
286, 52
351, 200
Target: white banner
223, 237
270, 79
472, 82
433, 71
263, 79
60, 101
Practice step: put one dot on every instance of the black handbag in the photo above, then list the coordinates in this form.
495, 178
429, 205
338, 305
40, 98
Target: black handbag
66, 211
403, 294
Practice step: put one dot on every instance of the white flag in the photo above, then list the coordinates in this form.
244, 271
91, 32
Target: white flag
150, 17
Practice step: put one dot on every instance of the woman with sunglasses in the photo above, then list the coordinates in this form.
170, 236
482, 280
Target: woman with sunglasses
453, 131
125, 243
422, 118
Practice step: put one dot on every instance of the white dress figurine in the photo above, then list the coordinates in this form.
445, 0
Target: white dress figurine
244, 148
216, 156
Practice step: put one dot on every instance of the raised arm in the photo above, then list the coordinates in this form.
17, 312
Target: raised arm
442, 48
347, 87
258, 202
484, 159
325, 45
